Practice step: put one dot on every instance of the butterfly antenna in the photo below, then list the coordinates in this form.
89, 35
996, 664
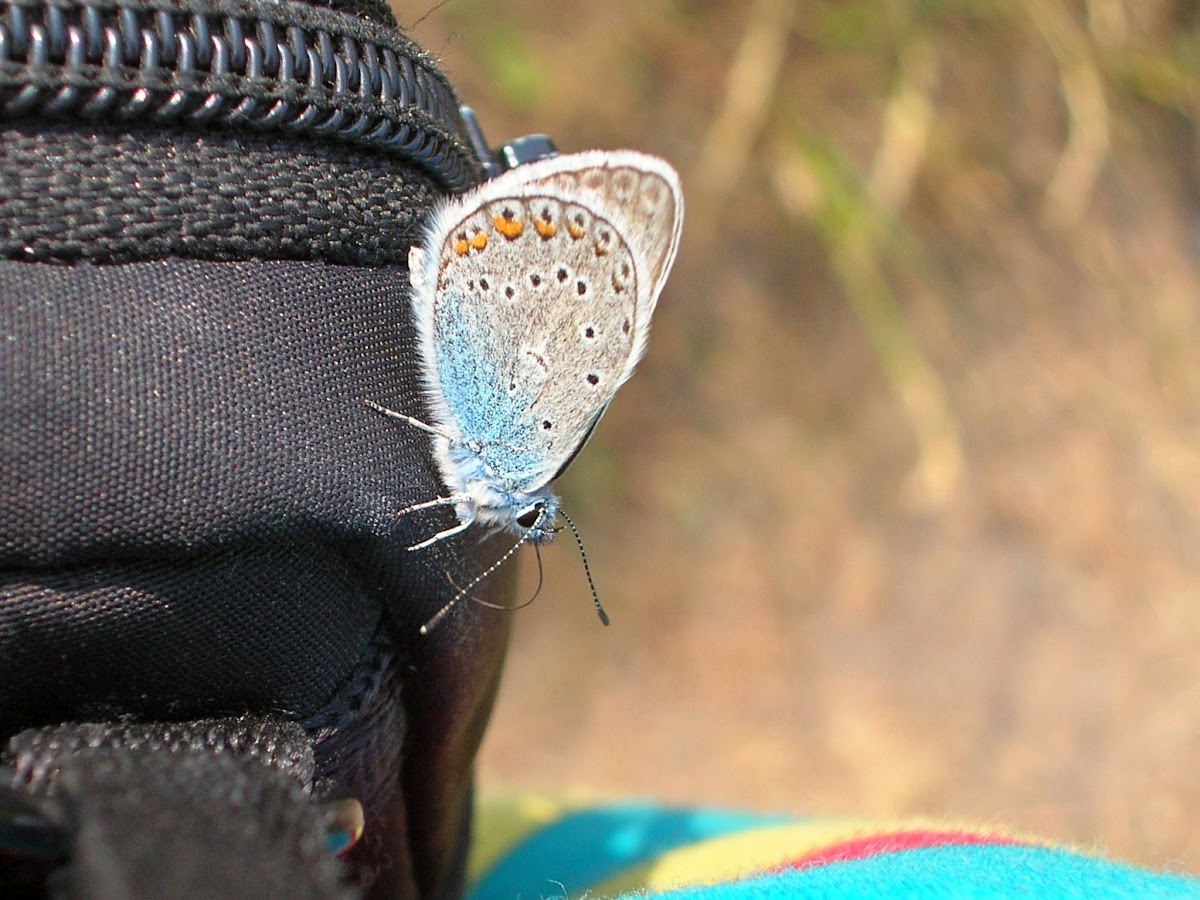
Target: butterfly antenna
586, 568
537, 552
465, 590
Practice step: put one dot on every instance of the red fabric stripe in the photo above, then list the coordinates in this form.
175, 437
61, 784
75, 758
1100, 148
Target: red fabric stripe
872, 845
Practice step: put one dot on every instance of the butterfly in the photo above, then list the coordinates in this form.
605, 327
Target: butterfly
532, 297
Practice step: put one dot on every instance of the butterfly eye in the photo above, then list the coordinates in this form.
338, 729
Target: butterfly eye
529, 518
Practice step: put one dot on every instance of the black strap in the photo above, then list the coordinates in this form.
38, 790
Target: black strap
214, 808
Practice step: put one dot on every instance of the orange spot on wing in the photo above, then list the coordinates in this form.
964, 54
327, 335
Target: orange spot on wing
478, 240
510, 228
545, 229
575, 230
461, 247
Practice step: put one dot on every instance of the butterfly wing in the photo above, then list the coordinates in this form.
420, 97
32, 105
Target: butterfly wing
533, 296
640, 194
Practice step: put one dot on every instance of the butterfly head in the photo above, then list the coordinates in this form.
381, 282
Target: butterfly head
529, 514
536, 520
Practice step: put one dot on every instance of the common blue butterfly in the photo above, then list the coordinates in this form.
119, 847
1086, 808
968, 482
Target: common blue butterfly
532, 297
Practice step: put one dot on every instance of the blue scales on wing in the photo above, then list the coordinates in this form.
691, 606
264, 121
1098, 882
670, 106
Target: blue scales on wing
534, 318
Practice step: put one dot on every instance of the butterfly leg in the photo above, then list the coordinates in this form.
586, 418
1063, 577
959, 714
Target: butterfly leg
442, 535
416, 423
430, 504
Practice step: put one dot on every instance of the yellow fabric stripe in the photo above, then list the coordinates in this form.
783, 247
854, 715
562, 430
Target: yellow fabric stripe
747, 852
504, 820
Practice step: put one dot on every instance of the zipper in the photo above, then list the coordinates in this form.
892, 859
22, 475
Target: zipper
267, 66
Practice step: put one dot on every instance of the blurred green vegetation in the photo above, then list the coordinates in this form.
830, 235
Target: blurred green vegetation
901, 514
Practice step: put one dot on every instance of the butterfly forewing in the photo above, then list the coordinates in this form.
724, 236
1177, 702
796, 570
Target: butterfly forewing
532, 298
535, 325
642, 199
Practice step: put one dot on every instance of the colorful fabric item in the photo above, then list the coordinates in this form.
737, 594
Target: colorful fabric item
531, 846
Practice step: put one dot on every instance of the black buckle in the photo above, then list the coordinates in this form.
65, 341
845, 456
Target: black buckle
511, 154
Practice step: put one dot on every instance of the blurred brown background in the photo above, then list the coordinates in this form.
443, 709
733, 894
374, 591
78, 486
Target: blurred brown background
901, 513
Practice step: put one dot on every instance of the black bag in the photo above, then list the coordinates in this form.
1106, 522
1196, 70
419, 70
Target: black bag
208, 618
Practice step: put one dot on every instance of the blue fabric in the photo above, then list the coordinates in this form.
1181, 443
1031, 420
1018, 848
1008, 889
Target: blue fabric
977, 872
588, 847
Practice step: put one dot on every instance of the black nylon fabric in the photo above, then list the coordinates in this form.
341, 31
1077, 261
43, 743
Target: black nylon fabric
35, 756
198, 518
139, 810
109, 194
197, 510
190, 479
371, 10
151, 824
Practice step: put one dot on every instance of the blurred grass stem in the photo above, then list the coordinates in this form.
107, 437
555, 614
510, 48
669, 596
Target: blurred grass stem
850, 216
749, 92
1074, 179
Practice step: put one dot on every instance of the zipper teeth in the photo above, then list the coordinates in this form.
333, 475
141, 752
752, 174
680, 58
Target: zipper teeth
123, 64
